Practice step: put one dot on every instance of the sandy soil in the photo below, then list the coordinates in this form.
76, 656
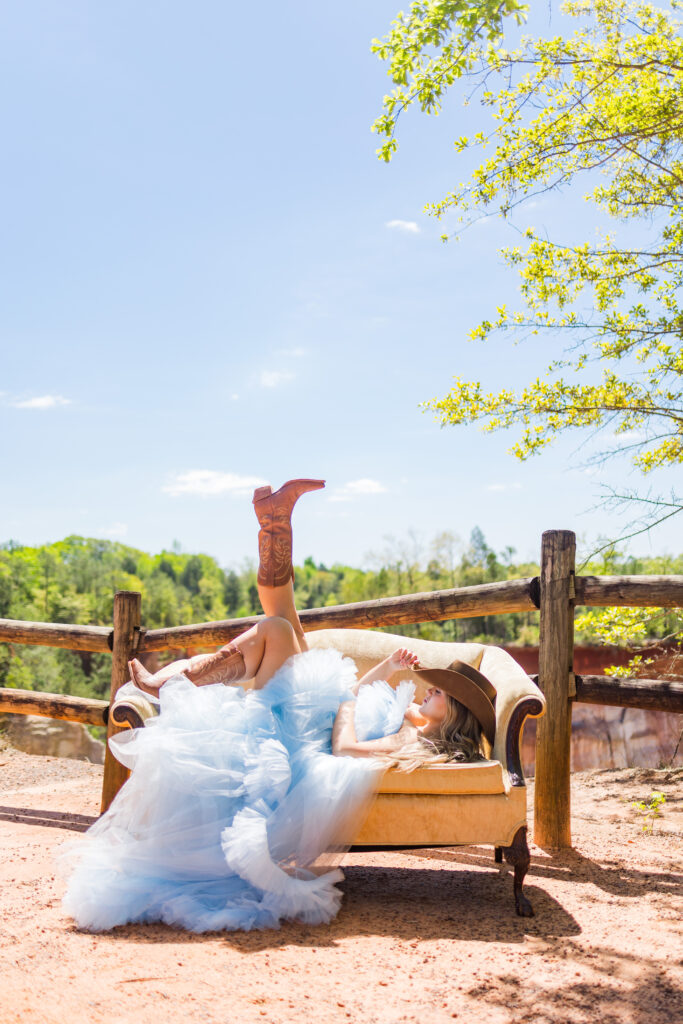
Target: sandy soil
422, 936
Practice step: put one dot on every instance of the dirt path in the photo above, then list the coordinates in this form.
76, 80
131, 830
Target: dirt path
426, 936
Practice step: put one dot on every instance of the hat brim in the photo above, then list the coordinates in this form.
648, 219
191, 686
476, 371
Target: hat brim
468, 686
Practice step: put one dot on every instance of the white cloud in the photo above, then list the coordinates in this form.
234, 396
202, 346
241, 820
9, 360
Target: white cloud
629, 436
116, 530
410, 226
234, 397
209, 482
292, 353
42, 402
365, 486
273, 378
504, 487
357, 488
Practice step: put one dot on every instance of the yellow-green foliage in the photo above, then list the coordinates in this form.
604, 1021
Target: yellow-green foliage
650, 810
603, 106
633, 628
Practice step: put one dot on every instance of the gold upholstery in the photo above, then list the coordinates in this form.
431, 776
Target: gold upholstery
449, 779
430, 820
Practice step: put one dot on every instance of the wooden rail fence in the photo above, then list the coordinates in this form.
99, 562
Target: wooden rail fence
555, 593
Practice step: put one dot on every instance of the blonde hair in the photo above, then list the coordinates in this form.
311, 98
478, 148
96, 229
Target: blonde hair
460, 733
459, 738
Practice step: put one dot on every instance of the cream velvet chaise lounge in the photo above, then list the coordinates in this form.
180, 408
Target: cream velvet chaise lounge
446, 805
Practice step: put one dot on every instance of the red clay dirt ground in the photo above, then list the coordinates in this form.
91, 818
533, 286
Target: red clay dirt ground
425, 935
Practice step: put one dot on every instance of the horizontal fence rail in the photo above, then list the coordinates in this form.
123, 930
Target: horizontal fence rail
616, 692
434, 606
647, 694
629, 591
54, 705
56, 634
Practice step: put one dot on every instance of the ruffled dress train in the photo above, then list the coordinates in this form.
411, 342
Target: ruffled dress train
236, 811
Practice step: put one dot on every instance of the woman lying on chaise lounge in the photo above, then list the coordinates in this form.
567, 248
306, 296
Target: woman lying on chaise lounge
234, 796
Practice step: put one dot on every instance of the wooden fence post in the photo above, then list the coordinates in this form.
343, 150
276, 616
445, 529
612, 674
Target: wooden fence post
126, 635
552, 823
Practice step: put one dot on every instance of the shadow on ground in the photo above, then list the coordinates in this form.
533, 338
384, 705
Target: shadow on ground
406, 904
48, 819
617, 880
620, 987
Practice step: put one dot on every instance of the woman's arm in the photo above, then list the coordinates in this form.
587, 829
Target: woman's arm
345, 742
400, 659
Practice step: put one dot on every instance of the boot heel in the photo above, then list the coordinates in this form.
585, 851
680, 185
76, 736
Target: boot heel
262, 492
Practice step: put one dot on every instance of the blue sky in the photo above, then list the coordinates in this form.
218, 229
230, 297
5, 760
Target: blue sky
208, 280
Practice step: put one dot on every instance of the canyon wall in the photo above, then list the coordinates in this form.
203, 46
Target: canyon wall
606, 737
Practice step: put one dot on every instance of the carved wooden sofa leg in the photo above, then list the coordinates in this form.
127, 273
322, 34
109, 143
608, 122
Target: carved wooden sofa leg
519, 857
498, 854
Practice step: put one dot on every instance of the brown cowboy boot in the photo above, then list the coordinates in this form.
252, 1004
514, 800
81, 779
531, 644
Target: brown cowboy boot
225, 666
274, 513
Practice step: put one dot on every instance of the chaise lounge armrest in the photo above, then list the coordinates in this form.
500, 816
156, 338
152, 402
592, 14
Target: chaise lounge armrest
132, 709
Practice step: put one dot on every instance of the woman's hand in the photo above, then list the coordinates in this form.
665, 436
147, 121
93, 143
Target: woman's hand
401, 659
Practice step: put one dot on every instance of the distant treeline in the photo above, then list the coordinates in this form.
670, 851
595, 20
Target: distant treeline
75, 579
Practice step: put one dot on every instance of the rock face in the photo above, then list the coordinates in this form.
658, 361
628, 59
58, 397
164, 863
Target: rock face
615, 738
52, 738
605, 737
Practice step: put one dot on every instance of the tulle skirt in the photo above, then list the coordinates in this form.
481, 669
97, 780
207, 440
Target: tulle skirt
236, 812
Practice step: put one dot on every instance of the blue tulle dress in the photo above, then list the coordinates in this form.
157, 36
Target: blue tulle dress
236, 811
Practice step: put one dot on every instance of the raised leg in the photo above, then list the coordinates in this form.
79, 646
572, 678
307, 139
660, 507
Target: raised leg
224, 666
261, 650
257, 653
280, 601
519, 857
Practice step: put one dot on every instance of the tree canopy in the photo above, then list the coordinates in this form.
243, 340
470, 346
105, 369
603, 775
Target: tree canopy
602, 106
74, 580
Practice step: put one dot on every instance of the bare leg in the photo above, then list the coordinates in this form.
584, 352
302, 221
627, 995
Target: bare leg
261, 649
275, 642
280, 601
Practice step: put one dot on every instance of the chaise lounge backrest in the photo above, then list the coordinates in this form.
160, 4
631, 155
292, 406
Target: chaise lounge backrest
513, 685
